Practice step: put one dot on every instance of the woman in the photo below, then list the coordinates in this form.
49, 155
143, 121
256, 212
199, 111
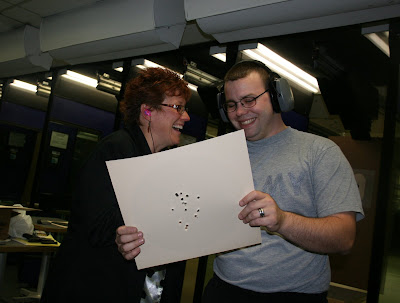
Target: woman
88, 266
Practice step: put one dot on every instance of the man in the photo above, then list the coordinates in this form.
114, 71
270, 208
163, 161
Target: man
306, 202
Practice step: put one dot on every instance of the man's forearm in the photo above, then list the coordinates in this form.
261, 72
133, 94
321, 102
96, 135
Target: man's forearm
332, 234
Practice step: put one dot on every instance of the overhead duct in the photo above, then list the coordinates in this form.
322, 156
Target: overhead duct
20, 53
234, 20
114, 29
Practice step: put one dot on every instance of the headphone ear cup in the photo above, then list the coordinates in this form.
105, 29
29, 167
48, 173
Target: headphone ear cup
273, 94
284, 95
220, 102
281, 94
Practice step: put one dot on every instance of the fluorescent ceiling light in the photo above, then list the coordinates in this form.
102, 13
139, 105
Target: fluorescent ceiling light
24, 85
147, 63
220, 56
118, 66
281, 66
192, 86
80, 78
380, 40
218, 52
144, 63
379, 36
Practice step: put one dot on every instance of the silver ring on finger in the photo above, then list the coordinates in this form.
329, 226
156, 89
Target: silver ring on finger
261, 211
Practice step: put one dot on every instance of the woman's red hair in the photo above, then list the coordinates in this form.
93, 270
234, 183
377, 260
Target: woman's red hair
151, 87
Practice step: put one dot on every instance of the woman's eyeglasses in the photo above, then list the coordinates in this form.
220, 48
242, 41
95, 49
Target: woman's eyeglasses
246, 102
179, 108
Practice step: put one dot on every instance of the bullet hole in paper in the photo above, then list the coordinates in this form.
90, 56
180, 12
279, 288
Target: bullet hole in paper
191, 211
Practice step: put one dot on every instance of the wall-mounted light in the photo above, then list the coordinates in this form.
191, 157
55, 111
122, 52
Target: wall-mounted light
103, 81
197, 75
379, 36
106, 84
24, 85
79, 78
218, 52
278, 64
144, 63
43, 88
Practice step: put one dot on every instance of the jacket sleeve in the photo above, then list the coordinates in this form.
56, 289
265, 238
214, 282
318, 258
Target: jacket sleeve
94, 198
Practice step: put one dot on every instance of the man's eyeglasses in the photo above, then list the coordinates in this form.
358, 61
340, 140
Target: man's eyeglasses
246, 102
179, 108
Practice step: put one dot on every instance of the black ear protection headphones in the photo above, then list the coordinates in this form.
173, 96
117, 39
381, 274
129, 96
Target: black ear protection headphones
279, 90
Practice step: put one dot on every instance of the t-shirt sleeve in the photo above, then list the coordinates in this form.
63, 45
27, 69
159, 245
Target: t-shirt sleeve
335, 187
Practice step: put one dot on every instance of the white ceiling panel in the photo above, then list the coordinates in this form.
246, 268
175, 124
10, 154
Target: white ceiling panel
4, 4
23, 15
7, 24
15, 1
196, 9
16, 13
46, 8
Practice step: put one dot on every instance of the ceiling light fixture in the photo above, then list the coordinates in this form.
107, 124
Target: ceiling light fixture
43, 88
379, 42
220, 56
218, 52
194, 74
80, 78
118, 66
278, 64
192, 86
144, 63
379, 36
106, 84
24, 85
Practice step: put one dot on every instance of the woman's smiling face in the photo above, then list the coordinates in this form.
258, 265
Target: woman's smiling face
167, 123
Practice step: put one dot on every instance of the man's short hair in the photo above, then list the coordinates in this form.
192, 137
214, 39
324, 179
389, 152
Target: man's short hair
244, 68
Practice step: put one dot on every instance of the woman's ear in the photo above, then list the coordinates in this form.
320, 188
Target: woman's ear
145, 111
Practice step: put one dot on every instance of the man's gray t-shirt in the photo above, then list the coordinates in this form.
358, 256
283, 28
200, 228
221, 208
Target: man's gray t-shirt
307, 175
